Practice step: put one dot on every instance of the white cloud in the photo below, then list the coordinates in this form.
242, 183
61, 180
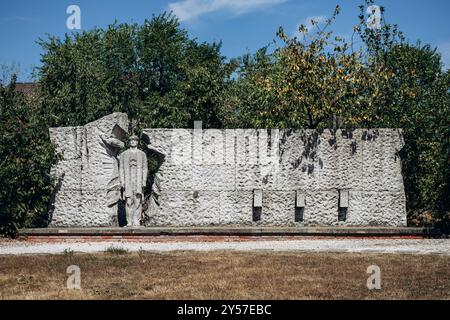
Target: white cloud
444, 49
308, 23
191, 9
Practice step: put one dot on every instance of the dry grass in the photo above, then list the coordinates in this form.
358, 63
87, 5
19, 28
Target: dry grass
225, 275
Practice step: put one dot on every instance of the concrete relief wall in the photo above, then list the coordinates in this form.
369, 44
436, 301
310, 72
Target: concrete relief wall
85, 171
236, 176
300, 177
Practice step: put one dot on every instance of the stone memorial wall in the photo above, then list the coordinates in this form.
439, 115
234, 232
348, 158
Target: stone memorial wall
235, 176
83, 175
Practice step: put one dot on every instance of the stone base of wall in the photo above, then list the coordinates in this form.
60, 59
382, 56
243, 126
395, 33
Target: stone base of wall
214, 233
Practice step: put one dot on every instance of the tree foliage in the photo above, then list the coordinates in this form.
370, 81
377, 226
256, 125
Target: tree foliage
311, 81
153, 72
26, 156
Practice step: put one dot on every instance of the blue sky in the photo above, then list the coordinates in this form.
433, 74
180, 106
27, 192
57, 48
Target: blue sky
242, 25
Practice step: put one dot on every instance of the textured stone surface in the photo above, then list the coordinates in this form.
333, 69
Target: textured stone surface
208, 177
83, 173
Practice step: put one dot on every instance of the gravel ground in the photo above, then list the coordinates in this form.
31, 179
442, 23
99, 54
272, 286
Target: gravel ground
411, 246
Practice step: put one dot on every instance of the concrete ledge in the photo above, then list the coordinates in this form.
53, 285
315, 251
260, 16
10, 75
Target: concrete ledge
234, 231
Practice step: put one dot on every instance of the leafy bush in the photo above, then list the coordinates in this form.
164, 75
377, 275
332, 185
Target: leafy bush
153, 72
26, 156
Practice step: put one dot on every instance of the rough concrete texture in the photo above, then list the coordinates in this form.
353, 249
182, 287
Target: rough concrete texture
216, 177
82, 175
209, 177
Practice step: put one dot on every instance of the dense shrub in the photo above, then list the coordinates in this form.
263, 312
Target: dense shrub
26, 156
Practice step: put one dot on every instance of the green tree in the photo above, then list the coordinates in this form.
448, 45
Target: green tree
153, 72
26, 156
313, 81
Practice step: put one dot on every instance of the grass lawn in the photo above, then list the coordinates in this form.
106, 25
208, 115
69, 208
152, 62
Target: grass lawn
225, 275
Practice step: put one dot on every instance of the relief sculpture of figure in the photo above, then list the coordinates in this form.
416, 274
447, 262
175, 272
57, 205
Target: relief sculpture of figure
133, 170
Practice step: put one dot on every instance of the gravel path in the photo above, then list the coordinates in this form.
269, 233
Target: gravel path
410, 246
